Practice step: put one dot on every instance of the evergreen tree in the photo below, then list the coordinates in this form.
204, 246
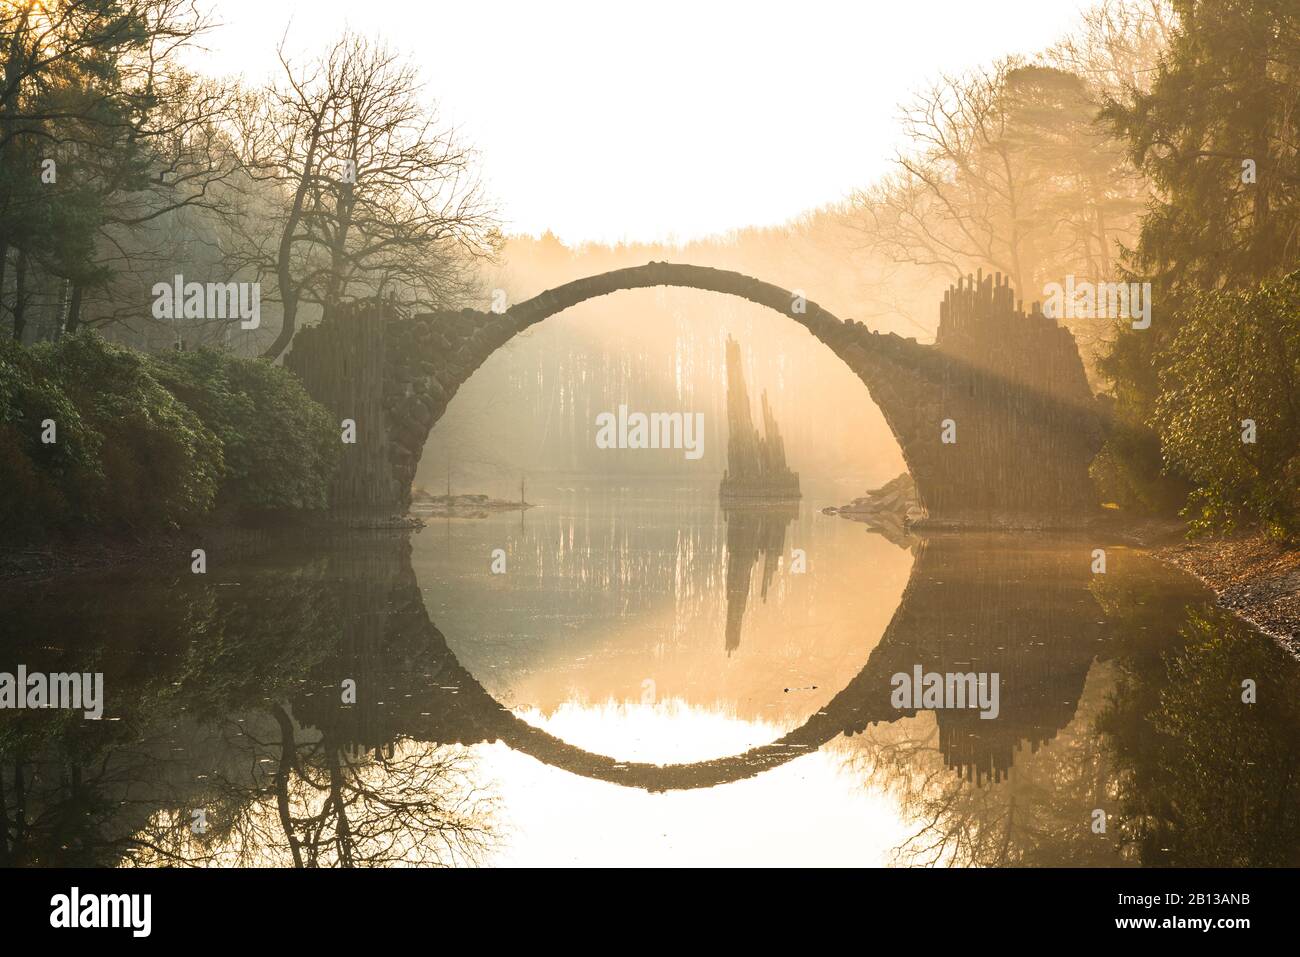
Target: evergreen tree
1216, 135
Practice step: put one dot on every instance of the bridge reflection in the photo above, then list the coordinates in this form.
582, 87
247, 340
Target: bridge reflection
232, 698
1027, 613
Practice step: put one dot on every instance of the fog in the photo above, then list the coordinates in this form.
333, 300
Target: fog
531, 408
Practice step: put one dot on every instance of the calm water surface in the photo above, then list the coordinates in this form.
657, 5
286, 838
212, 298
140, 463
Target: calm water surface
651, 680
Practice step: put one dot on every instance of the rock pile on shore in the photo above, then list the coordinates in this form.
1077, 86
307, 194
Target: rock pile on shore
888, 510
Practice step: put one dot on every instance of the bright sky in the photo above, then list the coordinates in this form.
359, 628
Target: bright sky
667, 118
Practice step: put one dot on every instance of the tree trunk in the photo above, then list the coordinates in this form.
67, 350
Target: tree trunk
20, 296
284, 272
342, 833
74, 311
288, 753
287, 325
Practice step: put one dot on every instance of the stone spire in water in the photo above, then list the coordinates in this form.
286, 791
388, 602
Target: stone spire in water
756, 466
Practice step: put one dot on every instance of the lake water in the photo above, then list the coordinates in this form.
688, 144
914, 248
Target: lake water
638, 677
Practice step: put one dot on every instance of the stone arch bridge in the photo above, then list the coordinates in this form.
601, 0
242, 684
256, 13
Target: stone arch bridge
1026, 423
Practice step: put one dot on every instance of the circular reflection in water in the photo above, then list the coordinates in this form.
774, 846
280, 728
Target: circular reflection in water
654, 626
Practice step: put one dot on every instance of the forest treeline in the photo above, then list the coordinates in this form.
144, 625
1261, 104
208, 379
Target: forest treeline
1156, 144
122, 172
120, 169
1160, 144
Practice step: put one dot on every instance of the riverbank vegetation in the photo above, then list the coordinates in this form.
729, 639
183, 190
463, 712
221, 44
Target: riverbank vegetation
123, 176
1215, 381
1157, 146
103, 439
121, 169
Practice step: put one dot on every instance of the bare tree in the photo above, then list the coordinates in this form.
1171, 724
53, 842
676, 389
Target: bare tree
300, 800
1008, 171
1118, 45
962, 194
373, 197
191, 181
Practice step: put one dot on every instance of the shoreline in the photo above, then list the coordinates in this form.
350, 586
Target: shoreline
51, 561
26, 564
1253, 577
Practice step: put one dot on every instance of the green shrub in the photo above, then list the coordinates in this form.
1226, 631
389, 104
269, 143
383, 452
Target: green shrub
42, 484
159, 463
151, 443
1127, 472
1236, 357
280, 445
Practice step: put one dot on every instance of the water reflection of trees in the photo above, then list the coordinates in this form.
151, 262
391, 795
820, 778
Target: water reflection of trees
206, 684
1157, 737
310, 803
1036, 815
1204, 779
225, 697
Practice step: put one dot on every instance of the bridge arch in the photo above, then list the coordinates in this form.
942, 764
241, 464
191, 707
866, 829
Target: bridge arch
1015, 385
888, 365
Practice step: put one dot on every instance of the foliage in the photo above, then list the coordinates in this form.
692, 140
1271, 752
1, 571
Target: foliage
1237, 357
280, 445
1204, 780
1215, 135
151, 443
40, 482
101, 133
159, 463
1127, 472
1227, 92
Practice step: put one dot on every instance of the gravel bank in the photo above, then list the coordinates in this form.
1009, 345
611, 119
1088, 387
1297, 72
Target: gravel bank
1254, 577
